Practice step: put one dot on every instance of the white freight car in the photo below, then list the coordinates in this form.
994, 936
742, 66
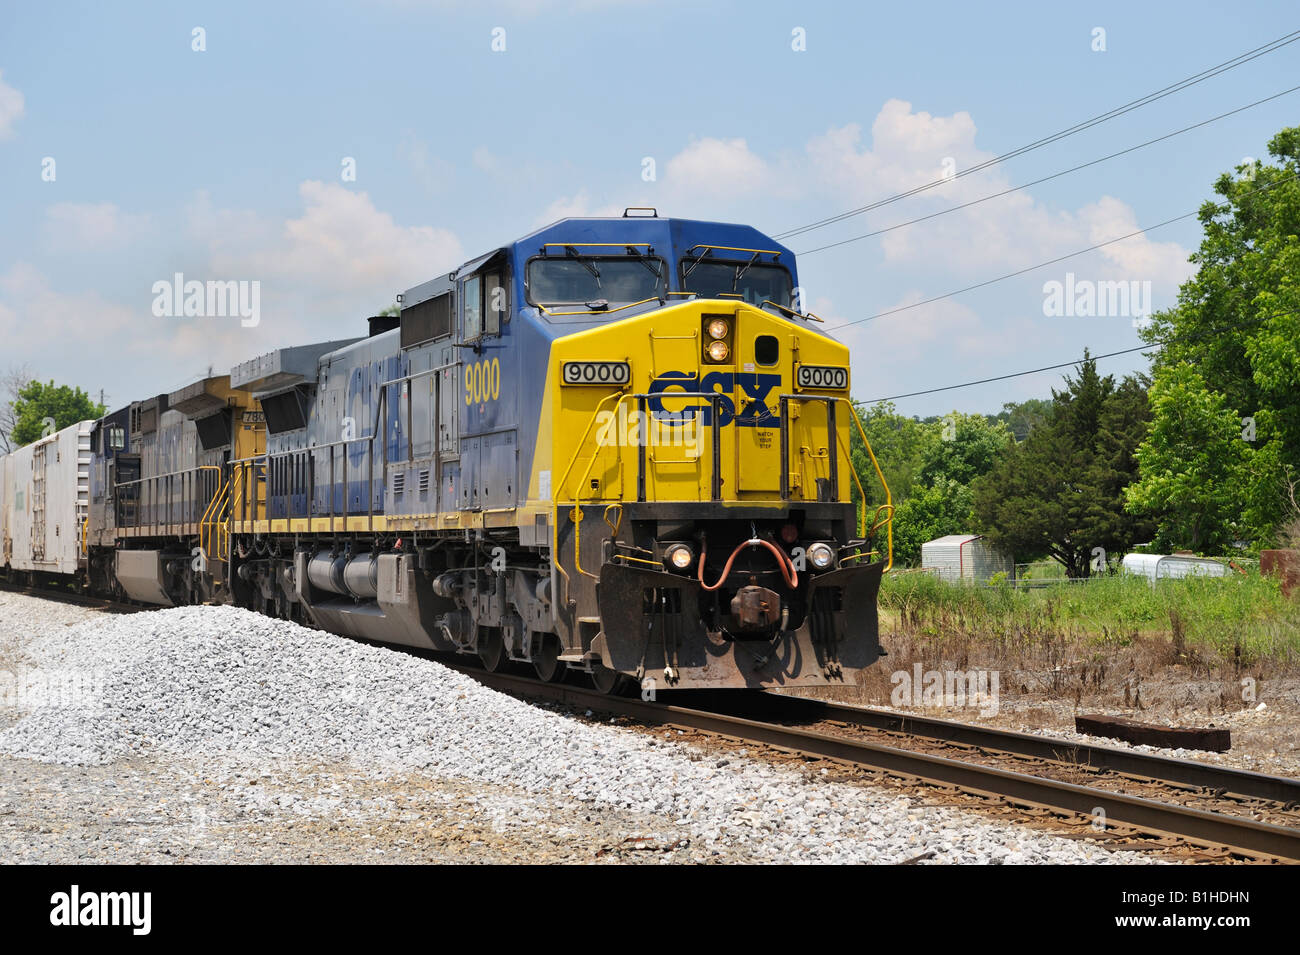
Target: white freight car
965, 557
44, 500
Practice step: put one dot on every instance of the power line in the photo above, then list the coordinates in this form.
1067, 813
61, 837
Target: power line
1068, 364
1182, 84
1055, 175
1040, 265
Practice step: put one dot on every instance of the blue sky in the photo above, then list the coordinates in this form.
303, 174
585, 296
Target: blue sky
226, 163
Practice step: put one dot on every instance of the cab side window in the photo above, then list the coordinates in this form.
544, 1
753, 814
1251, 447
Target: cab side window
494, 303
485, 306
472, 322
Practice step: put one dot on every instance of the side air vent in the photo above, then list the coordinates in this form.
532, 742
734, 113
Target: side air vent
286, 411
214, 430
426, 321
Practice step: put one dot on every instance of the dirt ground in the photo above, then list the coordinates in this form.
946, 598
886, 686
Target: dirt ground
1150, 682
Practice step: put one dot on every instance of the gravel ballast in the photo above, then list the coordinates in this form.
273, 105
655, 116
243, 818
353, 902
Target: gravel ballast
236, 692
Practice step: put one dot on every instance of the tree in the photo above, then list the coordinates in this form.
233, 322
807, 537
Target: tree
900, 444
942, 508
11, 384
968, 446
1021, 417
40, 409
1208, 486
1231, 364
1060, 492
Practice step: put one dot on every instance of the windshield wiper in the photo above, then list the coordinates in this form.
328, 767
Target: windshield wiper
741, 270
585, 263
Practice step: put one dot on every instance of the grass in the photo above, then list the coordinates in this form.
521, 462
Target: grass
1243, 617
1183, 649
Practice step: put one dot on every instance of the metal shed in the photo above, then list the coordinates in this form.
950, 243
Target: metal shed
1161, 566
965, 557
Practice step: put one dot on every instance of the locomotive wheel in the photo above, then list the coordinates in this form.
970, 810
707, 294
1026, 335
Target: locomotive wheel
492, 649
607, 681
546, 659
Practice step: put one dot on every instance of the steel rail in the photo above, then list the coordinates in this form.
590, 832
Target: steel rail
1238, 782
1210, 829
1214, 830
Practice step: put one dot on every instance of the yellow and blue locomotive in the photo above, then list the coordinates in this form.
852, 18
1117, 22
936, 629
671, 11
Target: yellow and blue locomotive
615, 445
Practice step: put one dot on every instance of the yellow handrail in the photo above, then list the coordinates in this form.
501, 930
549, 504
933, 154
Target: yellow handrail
595, 245
602, 311
204, 523
576, 513
889, 501
732, 248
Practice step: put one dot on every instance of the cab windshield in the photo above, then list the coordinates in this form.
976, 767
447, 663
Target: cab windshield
754, 283
591, 280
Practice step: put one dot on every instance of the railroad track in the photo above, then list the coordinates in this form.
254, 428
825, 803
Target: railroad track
65, 595
973, 759
1169, 821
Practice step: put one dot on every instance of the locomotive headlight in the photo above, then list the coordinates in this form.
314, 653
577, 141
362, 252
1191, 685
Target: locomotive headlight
820, 555
679, 556
718, 328
718, 351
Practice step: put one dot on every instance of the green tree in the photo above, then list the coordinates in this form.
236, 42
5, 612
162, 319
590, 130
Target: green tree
1233, 365
942, 508
1205, 482
1060, 492
1021, 417
40, 403
901, 445
967, 448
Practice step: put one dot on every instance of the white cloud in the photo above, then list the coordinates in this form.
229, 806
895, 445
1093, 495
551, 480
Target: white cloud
11, 108
715, 168
910, 149
341, 242
101, 226
321, 272
1138, 257
912, 333
51, 324
578, 205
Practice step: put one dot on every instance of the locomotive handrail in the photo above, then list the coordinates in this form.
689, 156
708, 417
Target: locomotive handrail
152, 481
831, 401
604, 311
596, 245
730, 248
715, 485
205, 533
790, 311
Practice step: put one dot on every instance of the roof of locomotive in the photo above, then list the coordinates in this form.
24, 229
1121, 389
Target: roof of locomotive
677, 236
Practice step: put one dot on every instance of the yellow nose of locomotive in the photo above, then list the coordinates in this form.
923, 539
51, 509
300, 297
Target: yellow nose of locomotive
687, 403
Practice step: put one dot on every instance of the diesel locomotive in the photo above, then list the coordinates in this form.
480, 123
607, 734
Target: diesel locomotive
615, 446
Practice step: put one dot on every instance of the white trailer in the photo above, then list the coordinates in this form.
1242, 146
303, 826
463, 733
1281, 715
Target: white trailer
1162, 566
44, 501
966, 558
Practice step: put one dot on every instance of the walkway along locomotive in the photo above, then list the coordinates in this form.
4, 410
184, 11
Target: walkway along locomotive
612, 446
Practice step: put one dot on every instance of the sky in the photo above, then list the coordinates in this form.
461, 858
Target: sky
140, 140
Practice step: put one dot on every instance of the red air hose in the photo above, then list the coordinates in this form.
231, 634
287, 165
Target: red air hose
782, 558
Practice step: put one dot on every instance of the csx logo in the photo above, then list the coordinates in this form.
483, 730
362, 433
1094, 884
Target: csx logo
754, 388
